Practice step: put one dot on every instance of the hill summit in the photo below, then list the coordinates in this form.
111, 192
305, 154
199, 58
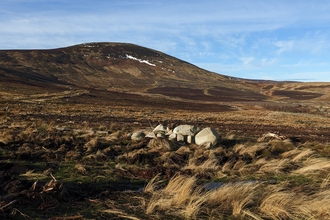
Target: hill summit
123, 67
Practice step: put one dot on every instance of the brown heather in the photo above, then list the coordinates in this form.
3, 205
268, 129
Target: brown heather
66, 116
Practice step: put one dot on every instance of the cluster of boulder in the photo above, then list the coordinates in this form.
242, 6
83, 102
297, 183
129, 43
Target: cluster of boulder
190, 134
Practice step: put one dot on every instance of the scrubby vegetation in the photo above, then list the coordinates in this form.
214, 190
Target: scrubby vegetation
52, 171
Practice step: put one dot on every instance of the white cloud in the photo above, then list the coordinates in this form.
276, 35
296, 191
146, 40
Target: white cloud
311, 43
268, 62
284, 46
246, 60
231, 36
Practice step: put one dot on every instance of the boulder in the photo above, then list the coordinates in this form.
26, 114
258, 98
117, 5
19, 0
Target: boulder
179, 137
160, 129
172, 137
151, 134
190, 139
138, 136
186, 130
208, 136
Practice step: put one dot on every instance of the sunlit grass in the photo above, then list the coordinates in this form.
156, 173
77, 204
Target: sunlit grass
253, 178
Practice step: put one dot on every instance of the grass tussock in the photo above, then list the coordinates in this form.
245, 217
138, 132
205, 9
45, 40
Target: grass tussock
250, 151
275, 166
180, 194
161, 144
311, 166
6, 137
281, 205
233, 198
207, 168
241, 178
242, 200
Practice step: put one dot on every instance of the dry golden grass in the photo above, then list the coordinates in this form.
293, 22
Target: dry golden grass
160, 144
233, 198
194, 204
325, 183
6, 137
183, 150
182, 195
318, 205
91, 145
153, 184
243, 200
244, 165
207, 168
297, 155
313, 166
180, 188
251, 151
179, 192
81, 168
275, 166
281, 205
302, 155
228, 166
172, 160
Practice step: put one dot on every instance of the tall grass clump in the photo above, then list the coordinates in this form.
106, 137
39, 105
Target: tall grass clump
181, 195
184, 197
233, 198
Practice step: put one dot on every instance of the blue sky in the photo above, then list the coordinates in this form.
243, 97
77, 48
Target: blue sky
254, 39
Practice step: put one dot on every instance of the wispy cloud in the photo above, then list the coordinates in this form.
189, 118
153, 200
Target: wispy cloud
246, 60
233, 37
284, 46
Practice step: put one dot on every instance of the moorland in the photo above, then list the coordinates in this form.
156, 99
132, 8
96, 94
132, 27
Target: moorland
67, 115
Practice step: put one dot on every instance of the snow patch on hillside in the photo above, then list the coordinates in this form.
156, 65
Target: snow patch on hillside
90, 45
141, 61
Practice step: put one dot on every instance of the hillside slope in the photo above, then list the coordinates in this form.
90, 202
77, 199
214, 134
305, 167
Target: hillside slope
121, 67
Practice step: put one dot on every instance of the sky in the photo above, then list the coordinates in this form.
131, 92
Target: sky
254, 39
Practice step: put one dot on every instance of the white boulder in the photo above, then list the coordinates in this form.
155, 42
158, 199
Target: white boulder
186, 130
208, 136
138, 136
179, 137
172, 137
160, 129
151, 134
190, 139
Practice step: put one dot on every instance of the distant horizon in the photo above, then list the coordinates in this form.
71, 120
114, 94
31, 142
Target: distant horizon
275, 40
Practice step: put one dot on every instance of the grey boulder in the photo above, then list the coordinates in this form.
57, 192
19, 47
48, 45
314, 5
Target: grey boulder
208, 137
186, 130
138, 136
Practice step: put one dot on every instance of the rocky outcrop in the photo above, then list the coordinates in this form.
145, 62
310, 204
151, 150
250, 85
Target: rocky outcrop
207, 137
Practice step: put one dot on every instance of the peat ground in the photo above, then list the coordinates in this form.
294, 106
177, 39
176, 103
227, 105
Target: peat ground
70, 156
